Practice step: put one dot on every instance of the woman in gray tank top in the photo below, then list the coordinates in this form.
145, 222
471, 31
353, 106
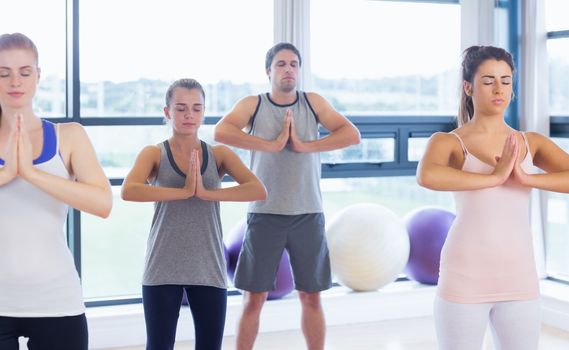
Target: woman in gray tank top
182, 175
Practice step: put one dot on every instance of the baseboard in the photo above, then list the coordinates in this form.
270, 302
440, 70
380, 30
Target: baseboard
555, 304
122, 326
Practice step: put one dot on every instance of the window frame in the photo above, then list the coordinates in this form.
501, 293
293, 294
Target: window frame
558, 127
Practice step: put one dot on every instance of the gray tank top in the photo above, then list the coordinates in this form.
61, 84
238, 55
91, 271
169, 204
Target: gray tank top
292, 179
185, 244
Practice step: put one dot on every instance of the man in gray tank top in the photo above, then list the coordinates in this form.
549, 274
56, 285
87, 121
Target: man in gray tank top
282, 135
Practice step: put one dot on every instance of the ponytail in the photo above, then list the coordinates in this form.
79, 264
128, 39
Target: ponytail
466, 108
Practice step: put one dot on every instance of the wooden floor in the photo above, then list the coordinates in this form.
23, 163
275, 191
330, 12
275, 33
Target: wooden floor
408, 334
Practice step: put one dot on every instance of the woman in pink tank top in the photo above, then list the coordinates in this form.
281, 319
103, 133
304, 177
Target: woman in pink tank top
44, 168
487, 270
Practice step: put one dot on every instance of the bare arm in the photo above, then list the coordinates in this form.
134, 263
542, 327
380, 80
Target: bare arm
136, 187
249, 187
342, 132
229, 129
440, 169
90, 192
550, 158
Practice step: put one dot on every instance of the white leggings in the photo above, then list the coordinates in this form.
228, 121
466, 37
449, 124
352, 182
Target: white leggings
515, 324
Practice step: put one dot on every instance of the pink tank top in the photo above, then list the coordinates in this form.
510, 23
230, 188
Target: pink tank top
488, 253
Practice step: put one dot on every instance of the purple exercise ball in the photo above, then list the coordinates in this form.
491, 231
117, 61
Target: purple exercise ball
233, 242
428, 228
226, 255
284, 283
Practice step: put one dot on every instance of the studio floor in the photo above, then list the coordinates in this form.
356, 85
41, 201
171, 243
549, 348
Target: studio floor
406, 334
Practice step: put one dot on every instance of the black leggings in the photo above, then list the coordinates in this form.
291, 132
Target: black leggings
162, 309
45, 333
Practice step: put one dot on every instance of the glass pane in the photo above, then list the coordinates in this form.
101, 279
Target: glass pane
50, 41
417, 147
558, 53
556, 15
502, 24
557, 240
379, 64
399, 194
118, 146
113, 249
369, 150
165, 41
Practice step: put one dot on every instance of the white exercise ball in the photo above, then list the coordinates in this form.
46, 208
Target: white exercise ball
369, 246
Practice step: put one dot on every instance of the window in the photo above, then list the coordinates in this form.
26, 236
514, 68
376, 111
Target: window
558, 54
126, 68
383, 64
125, 71
400, 194
112, 249
383, 59
48, 33
556, 15
557, 25
557, 241
557, 260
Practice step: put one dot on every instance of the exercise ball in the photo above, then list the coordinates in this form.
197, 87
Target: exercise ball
233, 242
225, 254
428, 228
185, 301
369, 246
284, 282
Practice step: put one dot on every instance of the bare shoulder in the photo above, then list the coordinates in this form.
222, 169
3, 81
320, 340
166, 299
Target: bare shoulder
149, 156
225, 159
151, 150
445, 142
73, 138
444, 138
219, 148
541, 144
313, 95
241, 112
326, 114
249, 100
221, 151
444, 148
247, 104
72, 130
535, 137
315, 99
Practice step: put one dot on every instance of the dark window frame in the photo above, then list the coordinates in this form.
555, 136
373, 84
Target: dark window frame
558, 126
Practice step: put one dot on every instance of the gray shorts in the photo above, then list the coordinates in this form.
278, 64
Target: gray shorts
267, 236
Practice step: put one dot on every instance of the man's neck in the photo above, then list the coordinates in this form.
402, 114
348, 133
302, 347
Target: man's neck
283, 98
